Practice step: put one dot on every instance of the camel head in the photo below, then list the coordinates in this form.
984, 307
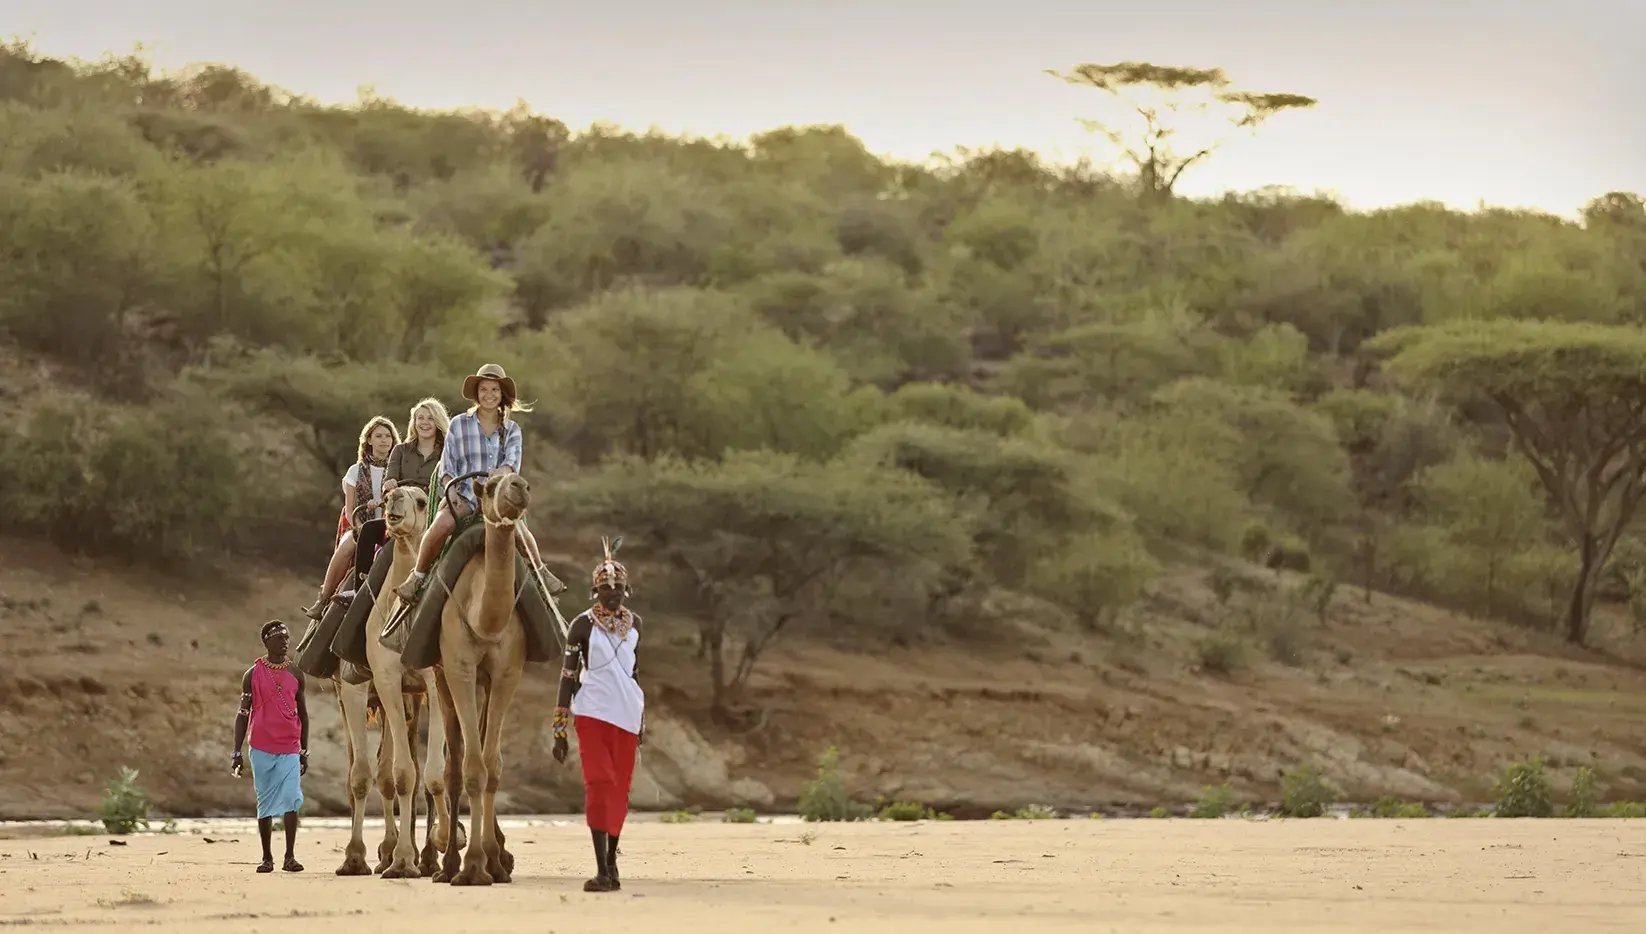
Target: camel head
403, 511
504, 499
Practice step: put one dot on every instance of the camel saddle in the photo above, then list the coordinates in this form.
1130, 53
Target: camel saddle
421, 632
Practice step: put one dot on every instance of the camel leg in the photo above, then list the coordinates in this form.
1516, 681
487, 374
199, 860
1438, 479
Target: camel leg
464, 687
434, 784
351, 699
385, 792
500, 698
402, 777
453, 777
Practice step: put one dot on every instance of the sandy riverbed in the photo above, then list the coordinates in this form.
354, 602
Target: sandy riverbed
1346, 876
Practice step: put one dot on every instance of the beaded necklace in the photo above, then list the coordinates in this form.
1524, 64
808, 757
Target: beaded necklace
286, 706
618, 622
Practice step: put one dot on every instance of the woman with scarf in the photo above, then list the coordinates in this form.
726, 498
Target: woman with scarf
599, 686
362, 487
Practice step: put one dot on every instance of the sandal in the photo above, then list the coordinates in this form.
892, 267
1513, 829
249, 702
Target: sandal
292, 865
267, 865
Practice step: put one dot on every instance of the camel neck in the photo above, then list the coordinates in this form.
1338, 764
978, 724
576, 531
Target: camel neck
497, 593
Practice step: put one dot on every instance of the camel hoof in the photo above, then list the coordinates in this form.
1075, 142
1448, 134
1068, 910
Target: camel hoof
354, 866
429, 864
402, 872
439, 877
499, 874
508, 861
474, 876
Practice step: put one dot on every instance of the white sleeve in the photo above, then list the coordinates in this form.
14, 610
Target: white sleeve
352, 476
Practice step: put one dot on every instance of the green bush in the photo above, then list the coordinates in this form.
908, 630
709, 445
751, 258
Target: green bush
1214, 802
1288, 553
740, 816
1523, 790
904, 811
1255, 540
1389, 807
1220, 653
125, 804
1584, 794
1096, 575
825, 798
1159, 812
1305, 793
678, 817
159, 483
1632, 810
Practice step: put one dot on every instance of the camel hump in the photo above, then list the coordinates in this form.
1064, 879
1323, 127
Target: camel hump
422, 647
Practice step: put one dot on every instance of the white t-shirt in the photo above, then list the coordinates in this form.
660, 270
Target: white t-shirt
353, 476
608, 690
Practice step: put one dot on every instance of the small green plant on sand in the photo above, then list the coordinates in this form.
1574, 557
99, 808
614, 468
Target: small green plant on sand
1305, 792
825, 798
678, 817
125, 804
1523, 790
740, 816
1214, 802
1584, 794
1159, 812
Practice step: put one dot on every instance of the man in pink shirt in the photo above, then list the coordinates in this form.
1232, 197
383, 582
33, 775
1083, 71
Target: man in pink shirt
273, 706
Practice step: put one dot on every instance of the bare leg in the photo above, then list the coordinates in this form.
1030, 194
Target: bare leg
352, 699
341, 558
265, 829
292, 865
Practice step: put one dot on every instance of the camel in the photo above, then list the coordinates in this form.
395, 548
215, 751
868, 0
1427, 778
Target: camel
482, 657
404, 509
357, 701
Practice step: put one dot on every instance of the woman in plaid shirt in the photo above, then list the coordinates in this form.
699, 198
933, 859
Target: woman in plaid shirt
483, 438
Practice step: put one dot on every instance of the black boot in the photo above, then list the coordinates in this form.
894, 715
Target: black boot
611, 862
602, 882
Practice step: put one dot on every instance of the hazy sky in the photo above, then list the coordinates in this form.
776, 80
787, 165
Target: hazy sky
1512, 102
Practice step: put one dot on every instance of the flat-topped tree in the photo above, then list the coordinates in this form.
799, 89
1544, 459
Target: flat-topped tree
1574, 399
1166, 97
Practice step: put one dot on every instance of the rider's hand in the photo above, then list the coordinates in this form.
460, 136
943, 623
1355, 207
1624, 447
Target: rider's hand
389, 485
560, 749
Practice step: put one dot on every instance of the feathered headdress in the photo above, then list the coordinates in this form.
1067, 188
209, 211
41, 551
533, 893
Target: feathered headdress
609, 570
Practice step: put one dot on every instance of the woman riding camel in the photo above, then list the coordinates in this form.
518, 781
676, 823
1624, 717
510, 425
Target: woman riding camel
412, 462
483, 439
362, 500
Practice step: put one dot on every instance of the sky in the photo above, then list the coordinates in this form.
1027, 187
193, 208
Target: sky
1516, 103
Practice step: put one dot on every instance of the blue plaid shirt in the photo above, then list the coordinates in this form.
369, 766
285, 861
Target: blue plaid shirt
468, 449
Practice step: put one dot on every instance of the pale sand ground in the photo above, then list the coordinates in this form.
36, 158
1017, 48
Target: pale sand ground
1552, 877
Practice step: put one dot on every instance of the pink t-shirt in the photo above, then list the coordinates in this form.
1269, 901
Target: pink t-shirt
275, 727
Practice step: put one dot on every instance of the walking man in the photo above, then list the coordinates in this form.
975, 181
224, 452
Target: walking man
273, 706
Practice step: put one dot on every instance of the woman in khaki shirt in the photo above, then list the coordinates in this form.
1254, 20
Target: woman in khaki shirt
413, 461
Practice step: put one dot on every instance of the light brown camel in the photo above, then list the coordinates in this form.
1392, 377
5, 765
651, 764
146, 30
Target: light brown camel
357, 702
403, 695
482, 656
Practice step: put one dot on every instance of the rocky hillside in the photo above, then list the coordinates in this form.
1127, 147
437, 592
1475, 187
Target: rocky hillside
108, 667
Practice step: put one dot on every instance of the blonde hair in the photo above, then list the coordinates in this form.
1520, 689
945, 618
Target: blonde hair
371, 426
437, 411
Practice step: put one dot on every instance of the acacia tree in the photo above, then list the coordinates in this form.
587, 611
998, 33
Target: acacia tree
1164, 96
766, 539
1574, 399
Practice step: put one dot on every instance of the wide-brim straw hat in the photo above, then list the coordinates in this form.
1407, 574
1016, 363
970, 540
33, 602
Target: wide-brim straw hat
471, 385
